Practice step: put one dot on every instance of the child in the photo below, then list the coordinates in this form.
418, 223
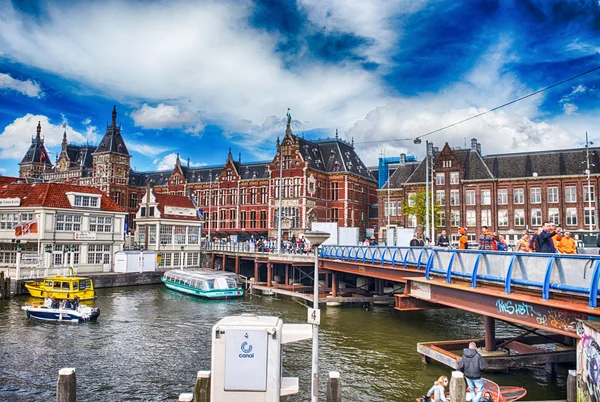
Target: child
463, 243
438, 390
487, 397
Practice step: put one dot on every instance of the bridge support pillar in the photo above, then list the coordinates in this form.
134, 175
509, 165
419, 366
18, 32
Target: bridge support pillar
269, 274
212, 260
334, 284
256, 272
224, 262
287, 274
489, 324
237, 264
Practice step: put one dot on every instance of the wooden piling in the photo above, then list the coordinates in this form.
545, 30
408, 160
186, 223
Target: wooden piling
187, 397
458, 387
66, 386
572, 386
334, 387
202, 388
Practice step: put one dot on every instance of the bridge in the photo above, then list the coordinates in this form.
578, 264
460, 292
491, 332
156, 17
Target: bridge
543, 294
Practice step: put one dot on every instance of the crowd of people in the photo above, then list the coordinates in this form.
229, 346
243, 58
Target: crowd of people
53, 302
294, 245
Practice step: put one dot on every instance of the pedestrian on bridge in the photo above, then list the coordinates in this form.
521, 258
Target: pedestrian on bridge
463, 242
546, 243
471, 364
443, 240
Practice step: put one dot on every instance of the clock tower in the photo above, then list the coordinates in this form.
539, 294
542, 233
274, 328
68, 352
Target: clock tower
111, 162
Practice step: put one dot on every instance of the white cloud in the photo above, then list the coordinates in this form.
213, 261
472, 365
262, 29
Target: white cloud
569, 108
167, 116
16, 137
168, 162
146, 149
28, 87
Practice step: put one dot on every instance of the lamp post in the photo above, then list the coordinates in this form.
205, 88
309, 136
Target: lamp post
316, 238
182, 257
209, 203
47, 258
589, 187
280, 196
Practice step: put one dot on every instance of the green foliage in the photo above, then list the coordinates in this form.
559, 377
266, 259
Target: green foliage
419, 207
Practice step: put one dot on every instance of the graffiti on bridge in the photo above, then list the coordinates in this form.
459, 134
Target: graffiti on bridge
549, 317
588, 364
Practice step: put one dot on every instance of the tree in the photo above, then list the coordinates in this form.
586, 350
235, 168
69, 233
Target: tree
416, 205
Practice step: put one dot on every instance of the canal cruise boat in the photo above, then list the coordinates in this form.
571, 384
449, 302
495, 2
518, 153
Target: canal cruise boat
204, 283
63, 287
81, 314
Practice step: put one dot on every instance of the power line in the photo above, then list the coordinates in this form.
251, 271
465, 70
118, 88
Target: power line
486, 112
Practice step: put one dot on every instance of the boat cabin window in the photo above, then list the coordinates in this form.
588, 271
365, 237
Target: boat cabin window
56, 285
84, 284
48, 284
75, 285
210, 284
65, 286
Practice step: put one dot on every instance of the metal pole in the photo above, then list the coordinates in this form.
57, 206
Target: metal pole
589, 188
315, 345
389, 206
427, 189
432, 238
209, 202
280, 195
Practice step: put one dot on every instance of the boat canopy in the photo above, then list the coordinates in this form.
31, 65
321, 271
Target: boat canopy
202, 279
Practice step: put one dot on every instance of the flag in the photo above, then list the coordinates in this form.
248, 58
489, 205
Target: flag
26, 228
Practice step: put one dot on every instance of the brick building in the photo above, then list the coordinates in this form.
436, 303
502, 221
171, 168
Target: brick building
509, 193
322, 180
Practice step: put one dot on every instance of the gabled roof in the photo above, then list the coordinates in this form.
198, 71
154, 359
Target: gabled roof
81, 155
37, 153
178, 201
53, 195
112, 141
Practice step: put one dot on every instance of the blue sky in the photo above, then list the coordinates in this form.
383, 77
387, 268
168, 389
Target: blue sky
198, 77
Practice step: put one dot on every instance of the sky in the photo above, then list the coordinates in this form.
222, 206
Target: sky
200, 77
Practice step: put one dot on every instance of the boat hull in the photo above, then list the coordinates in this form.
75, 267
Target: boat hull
84, 314
209, 294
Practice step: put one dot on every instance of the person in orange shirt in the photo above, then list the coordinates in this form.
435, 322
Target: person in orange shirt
558, 237
523, 245
463, 243
567, 244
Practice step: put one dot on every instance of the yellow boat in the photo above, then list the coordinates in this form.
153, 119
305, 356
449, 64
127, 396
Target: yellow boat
63, 287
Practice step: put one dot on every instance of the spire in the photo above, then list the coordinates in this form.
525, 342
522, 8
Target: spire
188, 162
229, 156
288, 128
38, 136
64, 141
177, 161
277, 141
240, 157
114, 116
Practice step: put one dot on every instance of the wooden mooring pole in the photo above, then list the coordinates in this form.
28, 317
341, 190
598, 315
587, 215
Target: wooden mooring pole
4, 286
334, 387
66, 386
572, 386
202, 388
458, 387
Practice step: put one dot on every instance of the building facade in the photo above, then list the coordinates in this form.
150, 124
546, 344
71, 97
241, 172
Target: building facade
67, 225
509, 193
320, 180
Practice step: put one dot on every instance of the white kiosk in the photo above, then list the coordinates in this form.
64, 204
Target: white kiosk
246, 358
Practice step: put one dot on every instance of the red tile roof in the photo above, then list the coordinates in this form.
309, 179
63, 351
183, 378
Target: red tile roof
178, 201
52, 195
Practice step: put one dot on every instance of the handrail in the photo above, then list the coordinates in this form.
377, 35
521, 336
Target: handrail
550, 273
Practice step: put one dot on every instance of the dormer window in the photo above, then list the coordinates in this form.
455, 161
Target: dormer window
84, 201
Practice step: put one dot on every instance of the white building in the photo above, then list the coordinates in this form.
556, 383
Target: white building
46, 228
170, 225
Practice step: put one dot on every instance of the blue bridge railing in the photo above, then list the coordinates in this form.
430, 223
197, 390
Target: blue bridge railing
550, 273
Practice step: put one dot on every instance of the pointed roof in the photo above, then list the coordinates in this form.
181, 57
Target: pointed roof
112, 141
37, 153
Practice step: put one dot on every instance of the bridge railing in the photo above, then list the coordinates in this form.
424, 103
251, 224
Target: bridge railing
547, 273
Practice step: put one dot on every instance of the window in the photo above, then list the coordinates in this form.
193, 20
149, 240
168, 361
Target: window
536, 217
117, 197
440, 197
263, 195
519, 196
243, 196
411, 199
101, 224
263, 219
61, 257
535, 195
589, 217
502, 196
152, 235
440, 179
99, 254
9, 221
334, 191
142, 234
179, 232
166, 234
85, 201
243, 218
67, 223
486, 217
333, 213
470, 197
502, 217
390, 208
519, 217
571, 216
588, 193
455, 218
441, 219
553, 195
193, 235
454, 197
471, 218
253, 219
454, 178
133, 200
553, 215
486, 198
412, 221
570, 194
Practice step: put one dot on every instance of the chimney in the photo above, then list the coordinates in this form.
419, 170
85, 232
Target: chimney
402, 159
479, 148
473, 144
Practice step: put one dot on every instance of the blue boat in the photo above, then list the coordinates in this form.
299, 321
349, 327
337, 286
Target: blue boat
204, 283
81, 314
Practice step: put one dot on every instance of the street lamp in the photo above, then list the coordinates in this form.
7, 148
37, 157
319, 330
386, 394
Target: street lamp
316, 238
589, 187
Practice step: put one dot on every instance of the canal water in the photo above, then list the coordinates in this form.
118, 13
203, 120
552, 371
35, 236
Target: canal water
149, 343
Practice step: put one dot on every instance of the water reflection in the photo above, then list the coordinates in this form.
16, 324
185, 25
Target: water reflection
150, 342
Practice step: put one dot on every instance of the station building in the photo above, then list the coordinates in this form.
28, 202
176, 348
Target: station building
320, 180
57, 225
509, 193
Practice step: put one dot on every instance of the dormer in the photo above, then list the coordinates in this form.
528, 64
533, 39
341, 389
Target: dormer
84, 200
